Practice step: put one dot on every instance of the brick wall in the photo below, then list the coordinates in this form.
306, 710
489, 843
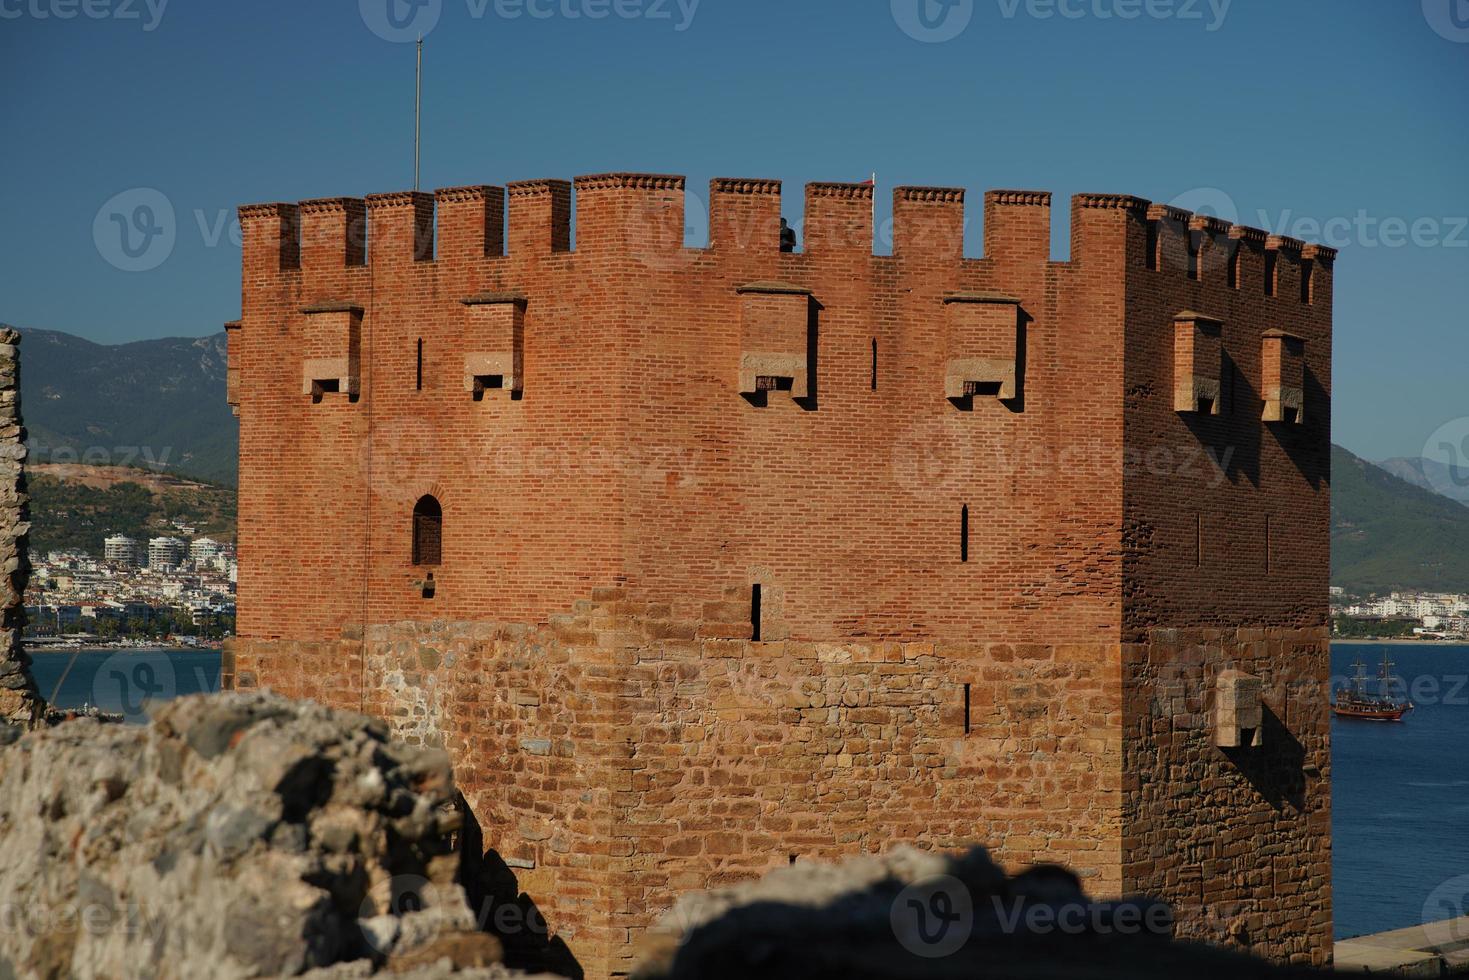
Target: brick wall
617, 757
842, 431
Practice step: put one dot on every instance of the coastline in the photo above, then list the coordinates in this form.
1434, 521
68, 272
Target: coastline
95, 648
1397, 641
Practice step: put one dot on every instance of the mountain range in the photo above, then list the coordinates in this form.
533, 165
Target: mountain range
160, 404
156, 404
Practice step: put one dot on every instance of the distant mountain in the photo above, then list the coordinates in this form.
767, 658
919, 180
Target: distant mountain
154, 403
1430, 474
1388, 534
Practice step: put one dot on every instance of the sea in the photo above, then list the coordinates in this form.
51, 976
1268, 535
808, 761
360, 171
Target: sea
1400, 792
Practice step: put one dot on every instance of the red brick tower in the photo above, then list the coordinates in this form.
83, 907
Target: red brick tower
699, 558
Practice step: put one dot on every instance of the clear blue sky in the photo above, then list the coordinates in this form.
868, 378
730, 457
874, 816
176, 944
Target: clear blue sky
1293, 110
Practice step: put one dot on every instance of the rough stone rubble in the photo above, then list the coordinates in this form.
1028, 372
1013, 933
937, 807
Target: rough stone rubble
20, 704
236, 836
916, 915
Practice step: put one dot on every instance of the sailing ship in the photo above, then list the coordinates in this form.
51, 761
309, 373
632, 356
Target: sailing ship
1357, 702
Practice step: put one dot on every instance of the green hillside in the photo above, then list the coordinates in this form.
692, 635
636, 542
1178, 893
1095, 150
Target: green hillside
154, 403
76, 508
1388, 534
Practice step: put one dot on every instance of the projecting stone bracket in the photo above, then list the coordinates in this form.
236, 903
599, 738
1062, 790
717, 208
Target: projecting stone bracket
986, 341
333, 349
778, 341
496, 319
965, 378
1239, 712
484, 372
764, 373
1283, 375
1198, 357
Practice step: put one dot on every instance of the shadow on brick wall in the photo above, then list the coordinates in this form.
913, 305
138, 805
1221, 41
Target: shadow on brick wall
1277, 769
504, 911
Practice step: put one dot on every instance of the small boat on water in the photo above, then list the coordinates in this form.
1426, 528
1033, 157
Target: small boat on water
1357, 702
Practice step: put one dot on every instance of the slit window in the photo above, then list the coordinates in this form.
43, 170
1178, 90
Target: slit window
874, 363
1267, 544
966, 709
1308, 273
755, 600
428, 532
418, 371
1270, 270
1195, 245
964, 533
1233, 268
1151, 257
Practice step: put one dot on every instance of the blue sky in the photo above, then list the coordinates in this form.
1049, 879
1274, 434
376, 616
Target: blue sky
1300, 115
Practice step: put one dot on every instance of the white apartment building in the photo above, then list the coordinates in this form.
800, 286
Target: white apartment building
166, 553
203, 551
122, 550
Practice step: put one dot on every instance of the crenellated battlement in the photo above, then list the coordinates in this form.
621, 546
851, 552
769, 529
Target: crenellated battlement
638, 214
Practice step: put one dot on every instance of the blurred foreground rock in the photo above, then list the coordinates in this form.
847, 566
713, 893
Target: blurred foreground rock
913, 915
236, 836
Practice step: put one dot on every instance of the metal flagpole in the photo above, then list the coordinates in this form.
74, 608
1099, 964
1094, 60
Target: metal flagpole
417, 110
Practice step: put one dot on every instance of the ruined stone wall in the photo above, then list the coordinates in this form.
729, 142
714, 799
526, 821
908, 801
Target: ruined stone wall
20, 703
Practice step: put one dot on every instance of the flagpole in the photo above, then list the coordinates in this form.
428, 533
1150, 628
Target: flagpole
417, 110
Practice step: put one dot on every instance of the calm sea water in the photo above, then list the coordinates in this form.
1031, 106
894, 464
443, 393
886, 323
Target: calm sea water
1400, 795
1400, 792
124, 681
